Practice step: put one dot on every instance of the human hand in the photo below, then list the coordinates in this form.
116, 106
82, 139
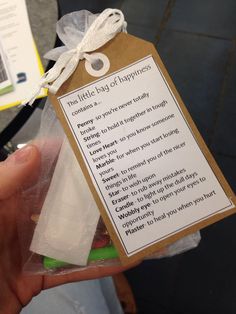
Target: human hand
17, 288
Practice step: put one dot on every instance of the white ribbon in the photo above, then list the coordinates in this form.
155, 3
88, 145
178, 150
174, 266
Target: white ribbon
105, 27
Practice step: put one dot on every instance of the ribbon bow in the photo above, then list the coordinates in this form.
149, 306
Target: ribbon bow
105, 27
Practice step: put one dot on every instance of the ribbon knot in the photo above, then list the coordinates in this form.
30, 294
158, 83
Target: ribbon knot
105, 27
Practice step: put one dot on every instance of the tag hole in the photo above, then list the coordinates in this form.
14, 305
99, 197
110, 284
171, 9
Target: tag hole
97, 65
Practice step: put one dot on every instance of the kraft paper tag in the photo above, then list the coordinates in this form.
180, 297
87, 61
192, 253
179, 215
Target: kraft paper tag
148, 168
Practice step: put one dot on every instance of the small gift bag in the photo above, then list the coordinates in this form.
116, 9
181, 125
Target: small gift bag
60, 227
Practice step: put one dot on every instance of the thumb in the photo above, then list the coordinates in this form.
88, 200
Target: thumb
18, 170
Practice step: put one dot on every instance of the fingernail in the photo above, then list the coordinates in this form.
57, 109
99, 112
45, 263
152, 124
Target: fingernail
21, 156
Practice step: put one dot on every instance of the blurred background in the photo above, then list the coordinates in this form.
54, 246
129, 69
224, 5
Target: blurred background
197, 43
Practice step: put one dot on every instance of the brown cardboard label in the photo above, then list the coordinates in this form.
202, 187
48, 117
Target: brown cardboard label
148, 168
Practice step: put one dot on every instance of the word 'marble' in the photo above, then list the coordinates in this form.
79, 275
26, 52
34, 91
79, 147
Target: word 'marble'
105, 163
